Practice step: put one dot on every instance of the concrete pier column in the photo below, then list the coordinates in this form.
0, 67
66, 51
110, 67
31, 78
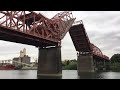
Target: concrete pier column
95, 64
104, 66
85, 63
49, 63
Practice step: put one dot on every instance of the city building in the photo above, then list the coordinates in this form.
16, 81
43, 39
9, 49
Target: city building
23, 53
22, 59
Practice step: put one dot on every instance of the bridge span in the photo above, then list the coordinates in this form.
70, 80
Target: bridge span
29, 27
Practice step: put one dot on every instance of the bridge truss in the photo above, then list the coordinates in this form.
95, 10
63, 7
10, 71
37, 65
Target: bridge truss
35, 26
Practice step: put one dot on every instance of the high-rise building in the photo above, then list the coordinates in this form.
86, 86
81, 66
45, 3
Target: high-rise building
23, 58
23, 53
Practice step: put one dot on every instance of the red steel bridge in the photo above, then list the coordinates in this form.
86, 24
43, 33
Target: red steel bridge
82, 43
29, 27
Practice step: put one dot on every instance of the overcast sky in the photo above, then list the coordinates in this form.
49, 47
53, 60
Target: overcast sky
102, 27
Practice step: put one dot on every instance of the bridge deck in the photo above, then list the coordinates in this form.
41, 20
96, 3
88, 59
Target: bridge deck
80, 38
82, 42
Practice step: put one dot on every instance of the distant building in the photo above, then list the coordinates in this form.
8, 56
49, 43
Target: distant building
15, 61
34, 64
23, 53
23, 58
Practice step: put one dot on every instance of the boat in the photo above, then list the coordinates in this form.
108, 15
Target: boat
7, 67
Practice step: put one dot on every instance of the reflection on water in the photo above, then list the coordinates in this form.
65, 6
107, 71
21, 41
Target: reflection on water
18, 74
109, 75
87, 75
70, 74
49, 77
66, 74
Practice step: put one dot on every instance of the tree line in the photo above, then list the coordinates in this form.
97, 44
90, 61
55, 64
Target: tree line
113, 64
69, 64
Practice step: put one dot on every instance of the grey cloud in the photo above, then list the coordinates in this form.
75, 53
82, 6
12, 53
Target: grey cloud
11, 50
102, 19
117, 49
103, 29
108, 41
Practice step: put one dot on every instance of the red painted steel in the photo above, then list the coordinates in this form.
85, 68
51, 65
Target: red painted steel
37, 25
97, 52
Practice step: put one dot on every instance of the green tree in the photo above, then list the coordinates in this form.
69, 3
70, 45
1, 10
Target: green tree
73, 66
115, 58
67, 62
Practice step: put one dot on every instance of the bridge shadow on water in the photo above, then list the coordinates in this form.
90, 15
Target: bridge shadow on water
49, 77
88, 75
83, 75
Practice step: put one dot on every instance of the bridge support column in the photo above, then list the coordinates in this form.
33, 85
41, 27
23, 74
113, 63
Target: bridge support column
104, 66
85, 64
95, 64
49, 63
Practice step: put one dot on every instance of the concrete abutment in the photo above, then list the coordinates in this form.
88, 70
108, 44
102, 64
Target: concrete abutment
49, 63
85, 63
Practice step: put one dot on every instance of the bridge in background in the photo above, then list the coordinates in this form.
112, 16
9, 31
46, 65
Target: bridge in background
28, 27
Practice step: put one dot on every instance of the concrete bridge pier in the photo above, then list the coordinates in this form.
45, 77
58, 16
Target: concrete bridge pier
100, 65
95, 64
49, 63
85, 64
104, 66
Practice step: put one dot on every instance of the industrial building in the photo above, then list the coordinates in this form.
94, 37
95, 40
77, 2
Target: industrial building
23, 58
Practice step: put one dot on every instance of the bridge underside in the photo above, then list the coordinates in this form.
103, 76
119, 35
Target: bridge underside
80, 38
19, 37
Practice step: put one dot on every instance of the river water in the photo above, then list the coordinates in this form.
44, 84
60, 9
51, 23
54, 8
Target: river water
66, 74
